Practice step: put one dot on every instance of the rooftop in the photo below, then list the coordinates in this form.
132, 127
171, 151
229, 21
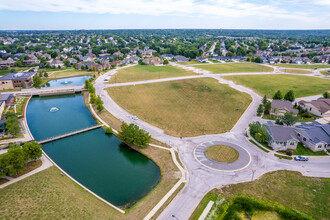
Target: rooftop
17, 76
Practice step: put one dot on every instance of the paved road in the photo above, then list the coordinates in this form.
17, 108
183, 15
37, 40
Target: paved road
201, 178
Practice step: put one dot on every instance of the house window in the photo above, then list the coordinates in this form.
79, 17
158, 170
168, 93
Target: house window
292, 143
310, 109
320, 146
298, 135
304, 139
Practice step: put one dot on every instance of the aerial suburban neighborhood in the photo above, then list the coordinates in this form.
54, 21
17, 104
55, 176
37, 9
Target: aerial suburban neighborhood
142, 121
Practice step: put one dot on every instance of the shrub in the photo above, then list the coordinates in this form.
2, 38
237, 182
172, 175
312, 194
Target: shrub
107, 130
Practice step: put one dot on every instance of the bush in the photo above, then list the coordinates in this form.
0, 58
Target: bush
289, 153
107, 130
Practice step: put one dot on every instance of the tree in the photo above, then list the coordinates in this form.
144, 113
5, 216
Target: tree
15, 160
37, 81
260, 109
99, 108
258, 60
12, 124
278, 95
267, 107
23, 85
326, 95
86, 84
264, 100
92, 98
32, 150
289, 96
165, 62
98, 100
45, 74
107, 130
288, 119
132, 134
40, 74
91, 88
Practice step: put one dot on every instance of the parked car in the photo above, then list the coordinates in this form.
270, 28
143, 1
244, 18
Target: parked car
135, 118
301, 158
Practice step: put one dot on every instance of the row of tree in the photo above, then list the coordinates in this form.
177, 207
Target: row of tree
17, 157
132, 134
288, 96
95, 100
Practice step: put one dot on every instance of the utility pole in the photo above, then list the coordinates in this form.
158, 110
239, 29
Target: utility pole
253, 171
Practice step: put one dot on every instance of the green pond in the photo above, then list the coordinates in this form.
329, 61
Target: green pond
100, 162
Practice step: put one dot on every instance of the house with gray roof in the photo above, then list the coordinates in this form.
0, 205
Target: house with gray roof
280, 107
180, 58
314, 135
202, 59
281, 137
167, 56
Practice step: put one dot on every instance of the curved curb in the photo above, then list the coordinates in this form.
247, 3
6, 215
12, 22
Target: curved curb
236, 147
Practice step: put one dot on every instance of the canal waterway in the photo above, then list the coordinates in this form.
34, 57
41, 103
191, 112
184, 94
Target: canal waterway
98, 161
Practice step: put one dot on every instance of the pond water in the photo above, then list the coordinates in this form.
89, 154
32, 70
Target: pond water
76, 81
100, 162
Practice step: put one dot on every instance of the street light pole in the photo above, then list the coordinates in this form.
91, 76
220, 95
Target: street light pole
253, 171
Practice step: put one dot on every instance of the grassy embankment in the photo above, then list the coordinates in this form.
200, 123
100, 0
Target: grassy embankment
305, 194
184, 107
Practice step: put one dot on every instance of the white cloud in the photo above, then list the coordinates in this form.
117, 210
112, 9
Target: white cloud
221, 8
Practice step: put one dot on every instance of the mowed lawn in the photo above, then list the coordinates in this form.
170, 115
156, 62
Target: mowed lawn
304, 66
269, 84
184, 107
68, 73
147, 72
235, 68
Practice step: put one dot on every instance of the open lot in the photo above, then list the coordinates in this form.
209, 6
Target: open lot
147, 72
304, 66
269, 84
291, 189
235, 68
184, 107
296, 71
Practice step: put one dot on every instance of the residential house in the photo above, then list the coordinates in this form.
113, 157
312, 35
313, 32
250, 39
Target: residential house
314, 135
56, 63
153, 61
280, 107
8, 99
131, 60
72, 60
86, 59
118, 54
281, 137
319, 107
202, 59
117, 62
148, 53
181, 59
14, 80
7, 63
46, 56
221, 58
167, 56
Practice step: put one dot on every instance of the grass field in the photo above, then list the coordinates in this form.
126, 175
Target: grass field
291, 189
304, 66
296, 71
326, 73
16, 69
68, 73
269, 84
222, 153
146, 72
301, 150
184, 107
49, 195
234, 68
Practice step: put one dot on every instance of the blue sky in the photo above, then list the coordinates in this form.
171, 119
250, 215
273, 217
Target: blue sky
131, 14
